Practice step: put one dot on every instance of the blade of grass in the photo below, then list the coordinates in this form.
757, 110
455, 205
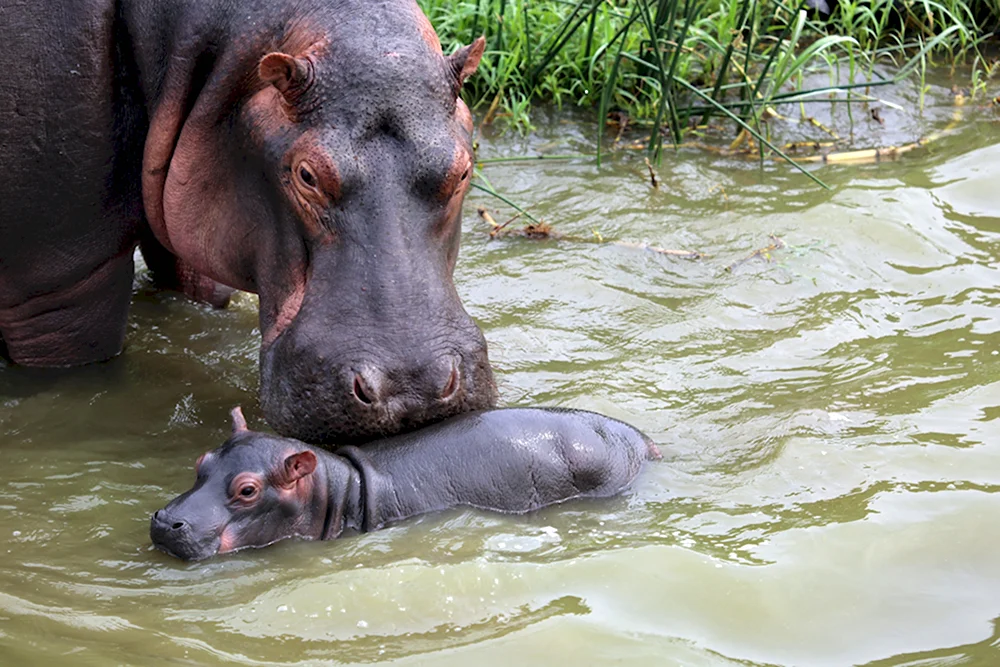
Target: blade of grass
590, 33
720, 80
692, 8
498, 44
609, 84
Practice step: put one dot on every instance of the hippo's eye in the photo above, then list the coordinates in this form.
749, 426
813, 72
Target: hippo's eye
307, 176
245, 488
248, 492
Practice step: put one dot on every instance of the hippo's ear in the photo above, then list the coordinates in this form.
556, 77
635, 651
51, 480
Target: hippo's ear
299, 465
239, 421
290, 75
464, 61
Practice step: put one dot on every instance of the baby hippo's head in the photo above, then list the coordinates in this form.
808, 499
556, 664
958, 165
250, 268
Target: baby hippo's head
252, 491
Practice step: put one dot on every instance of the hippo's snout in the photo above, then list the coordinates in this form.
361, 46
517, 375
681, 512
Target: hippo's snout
378, 346
440, 382
326, 397
175, 536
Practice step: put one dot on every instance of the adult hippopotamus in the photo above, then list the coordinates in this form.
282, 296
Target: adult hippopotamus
315, 152
257, 489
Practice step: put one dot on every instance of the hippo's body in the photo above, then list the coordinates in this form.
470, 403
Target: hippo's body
258, 489
315, 152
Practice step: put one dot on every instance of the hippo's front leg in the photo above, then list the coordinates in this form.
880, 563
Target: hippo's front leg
80, 321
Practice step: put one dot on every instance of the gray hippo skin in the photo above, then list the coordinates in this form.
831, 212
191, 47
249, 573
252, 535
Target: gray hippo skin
315, 152
257, 489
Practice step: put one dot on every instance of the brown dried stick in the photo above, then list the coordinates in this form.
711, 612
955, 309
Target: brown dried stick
495, 227
654, 180
540, 231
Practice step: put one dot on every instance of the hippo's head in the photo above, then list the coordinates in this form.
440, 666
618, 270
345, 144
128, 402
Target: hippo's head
252, 491
323, 166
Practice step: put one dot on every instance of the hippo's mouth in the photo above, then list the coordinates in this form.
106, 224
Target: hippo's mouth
184, 551
176, 539
191, 555
321, 404
183, 554
187, 547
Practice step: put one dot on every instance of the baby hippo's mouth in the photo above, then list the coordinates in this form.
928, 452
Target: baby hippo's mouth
175, 538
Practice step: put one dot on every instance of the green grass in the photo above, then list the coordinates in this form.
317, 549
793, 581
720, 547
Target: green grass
674, 64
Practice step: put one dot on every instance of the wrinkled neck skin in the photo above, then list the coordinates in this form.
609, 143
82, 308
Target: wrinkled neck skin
342, 501
380, 501
356, 496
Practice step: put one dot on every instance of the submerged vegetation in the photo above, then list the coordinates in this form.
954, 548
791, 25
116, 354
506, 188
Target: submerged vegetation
672, 65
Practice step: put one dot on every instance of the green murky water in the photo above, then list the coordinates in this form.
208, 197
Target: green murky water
830, 493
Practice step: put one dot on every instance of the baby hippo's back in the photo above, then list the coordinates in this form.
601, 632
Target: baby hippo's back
511, 460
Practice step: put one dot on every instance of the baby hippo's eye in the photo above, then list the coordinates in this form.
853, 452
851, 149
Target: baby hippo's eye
246, 488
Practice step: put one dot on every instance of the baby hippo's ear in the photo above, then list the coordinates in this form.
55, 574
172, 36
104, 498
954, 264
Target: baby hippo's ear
299, 465
239, 421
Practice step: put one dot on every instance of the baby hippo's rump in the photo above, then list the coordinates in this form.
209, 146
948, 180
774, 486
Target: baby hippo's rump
257, 489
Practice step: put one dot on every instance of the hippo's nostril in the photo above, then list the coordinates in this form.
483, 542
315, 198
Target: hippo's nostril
178, 525
452, 386
359, 391
156, 514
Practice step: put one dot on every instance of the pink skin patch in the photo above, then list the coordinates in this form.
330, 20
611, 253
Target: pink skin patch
286, 314
207, 456
427, 31
463, 115
654, 452
227, 541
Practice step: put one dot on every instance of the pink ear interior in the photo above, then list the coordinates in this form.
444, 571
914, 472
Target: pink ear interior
239, 421
466, 59
299, 465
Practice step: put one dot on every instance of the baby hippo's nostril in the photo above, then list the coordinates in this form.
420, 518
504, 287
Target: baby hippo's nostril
453, 383
177, 525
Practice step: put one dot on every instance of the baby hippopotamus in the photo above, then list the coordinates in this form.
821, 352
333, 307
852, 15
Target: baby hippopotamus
257, 489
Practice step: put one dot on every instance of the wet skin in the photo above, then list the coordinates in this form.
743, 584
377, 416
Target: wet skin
315, 152
258, 489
